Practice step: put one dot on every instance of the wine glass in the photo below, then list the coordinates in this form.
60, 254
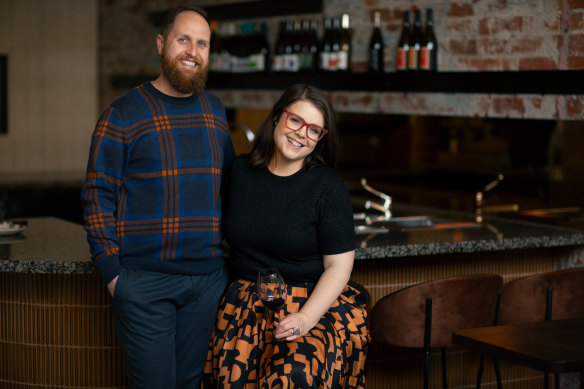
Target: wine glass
271, 288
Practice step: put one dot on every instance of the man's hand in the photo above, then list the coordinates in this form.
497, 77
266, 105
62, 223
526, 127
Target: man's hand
112, 286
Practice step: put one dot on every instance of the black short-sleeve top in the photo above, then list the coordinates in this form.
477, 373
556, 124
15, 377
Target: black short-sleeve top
285, 222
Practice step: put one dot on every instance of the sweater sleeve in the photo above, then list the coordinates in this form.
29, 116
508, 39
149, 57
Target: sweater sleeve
105, 174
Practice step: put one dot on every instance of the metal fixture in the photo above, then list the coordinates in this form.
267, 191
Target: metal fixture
384, 208
481, 208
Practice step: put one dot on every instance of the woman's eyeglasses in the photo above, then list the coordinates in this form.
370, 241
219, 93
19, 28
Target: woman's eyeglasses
295, 123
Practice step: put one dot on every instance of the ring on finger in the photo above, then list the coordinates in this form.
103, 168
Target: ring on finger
296, 331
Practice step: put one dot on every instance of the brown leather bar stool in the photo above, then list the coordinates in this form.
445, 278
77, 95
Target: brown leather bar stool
552, 295
425, 315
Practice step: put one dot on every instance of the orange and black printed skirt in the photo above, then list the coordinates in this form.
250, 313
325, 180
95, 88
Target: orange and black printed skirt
244, 354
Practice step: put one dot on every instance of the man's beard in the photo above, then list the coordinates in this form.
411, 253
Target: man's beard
181, 81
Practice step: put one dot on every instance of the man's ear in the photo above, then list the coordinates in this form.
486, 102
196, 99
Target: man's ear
159, 43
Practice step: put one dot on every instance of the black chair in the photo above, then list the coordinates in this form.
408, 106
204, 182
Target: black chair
552, 295
425, 315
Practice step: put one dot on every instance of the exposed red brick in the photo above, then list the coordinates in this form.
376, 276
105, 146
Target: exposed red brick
555, 26
498, 5
537, 63
490, 25
513, 24
527, 44
574, 106
483, 64
575, 63
463, 9
577, 21
507, 105
492, 46
537, 102
461, 25
559, 41
484, 26
462, 47
576, 44
575, 4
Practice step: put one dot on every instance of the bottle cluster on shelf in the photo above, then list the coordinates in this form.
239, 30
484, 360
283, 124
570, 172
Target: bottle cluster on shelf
417, 47
245, 48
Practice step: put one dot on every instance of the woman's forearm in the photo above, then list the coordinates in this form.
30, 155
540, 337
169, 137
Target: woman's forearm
337, 271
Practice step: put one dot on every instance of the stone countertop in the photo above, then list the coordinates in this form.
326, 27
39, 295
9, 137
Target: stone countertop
52, 245
48, 245
493, 234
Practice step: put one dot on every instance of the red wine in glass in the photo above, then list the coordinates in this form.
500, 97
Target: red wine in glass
275, 304
271, 288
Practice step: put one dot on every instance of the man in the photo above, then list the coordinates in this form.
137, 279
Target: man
152, 209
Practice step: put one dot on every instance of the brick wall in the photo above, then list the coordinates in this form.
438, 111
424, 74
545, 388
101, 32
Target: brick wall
488, 35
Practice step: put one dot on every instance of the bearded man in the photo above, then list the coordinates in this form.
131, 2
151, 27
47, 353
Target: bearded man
152, 209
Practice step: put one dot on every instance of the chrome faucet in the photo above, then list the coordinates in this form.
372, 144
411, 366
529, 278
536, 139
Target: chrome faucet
384, 208
480, 206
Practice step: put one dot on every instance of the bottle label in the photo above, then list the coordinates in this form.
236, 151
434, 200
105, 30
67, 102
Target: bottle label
343, 62
412, 58
324, 60
425, 58
374, 60
401, 59
333, 61
277, 63
291, 63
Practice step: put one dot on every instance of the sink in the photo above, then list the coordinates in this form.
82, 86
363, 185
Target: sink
408, 223
365, 229
425, 222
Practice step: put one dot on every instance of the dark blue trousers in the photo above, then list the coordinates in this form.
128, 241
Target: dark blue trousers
164, 324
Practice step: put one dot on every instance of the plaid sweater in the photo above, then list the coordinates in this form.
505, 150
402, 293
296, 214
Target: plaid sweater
151, 195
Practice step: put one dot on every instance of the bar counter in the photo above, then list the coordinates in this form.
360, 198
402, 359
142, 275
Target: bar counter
56, 313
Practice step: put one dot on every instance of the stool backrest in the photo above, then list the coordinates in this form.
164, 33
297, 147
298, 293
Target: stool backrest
525, 299
459, 302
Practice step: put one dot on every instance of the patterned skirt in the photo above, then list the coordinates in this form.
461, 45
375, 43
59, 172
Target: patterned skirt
244, 353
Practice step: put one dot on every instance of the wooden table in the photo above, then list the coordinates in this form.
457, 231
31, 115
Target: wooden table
556, 346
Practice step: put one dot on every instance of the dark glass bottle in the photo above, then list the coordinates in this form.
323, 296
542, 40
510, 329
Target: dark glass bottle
345, 49
415, 42
278, 57
403, 45
290, 56
376, 46
313, 44
429, 48
333, 64
326, 45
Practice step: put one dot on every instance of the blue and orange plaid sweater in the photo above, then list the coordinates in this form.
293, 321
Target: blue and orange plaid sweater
151, 195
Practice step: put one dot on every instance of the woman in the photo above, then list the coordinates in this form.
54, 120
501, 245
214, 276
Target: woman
285, 207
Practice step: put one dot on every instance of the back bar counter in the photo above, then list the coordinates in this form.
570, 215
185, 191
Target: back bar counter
56, 326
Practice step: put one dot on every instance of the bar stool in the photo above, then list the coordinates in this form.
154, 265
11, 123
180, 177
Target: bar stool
425, 315
552, 295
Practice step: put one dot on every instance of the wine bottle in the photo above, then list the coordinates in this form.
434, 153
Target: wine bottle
376, 46
313, 44
278, 57
344, 63
333, 63
415, 42
326, 45
290, 56
403, 45
429, 49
